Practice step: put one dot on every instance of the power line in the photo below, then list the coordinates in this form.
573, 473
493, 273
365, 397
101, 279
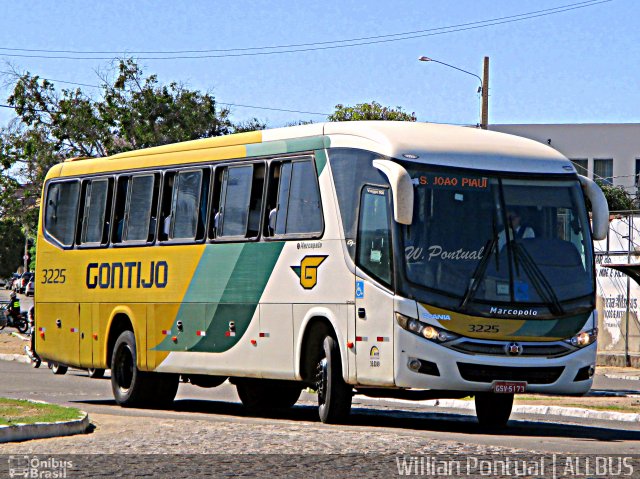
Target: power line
328, 45
294, 45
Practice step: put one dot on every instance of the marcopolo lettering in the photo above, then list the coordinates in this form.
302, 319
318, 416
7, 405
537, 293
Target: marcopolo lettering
128, 275
513, 312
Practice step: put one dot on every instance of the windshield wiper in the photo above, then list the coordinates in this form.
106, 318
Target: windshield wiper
479, 272
538, 279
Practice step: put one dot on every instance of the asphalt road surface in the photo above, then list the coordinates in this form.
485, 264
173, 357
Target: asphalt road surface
375, 426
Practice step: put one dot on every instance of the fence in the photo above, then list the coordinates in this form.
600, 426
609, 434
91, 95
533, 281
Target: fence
617, 294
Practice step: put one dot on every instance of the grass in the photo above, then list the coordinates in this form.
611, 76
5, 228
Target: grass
20, 411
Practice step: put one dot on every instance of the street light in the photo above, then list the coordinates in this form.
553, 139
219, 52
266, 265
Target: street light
485, 97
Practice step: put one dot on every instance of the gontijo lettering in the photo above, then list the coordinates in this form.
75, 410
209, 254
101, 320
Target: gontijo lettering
128, 275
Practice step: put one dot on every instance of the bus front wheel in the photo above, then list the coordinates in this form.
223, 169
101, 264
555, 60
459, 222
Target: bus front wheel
334, 395
132, 387
493, 410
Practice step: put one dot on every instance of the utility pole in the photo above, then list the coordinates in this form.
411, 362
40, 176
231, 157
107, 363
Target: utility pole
484, 115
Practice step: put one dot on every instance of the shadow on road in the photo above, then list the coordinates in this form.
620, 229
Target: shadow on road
448, 422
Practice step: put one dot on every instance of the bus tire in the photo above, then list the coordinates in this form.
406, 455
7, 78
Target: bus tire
493, 410
131, 387
95, 373
264, 394
58, 369
334, 395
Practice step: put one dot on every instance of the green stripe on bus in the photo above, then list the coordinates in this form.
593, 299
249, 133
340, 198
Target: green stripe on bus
553, 328
321, 160
226, 286
280, 147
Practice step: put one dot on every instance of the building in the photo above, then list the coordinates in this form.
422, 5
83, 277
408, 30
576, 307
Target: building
608, 151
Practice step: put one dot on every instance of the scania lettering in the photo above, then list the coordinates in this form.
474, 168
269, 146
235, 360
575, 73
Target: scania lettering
393, 259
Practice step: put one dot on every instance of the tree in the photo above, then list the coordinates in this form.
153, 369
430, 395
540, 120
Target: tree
132, 111
11, 247
370, 111
617, 197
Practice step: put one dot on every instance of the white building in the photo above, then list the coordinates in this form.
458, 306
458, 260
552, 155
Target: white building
610, 152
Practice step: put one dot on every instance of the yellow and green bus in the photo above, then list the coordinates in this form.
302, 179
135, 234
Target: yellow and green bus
389, 259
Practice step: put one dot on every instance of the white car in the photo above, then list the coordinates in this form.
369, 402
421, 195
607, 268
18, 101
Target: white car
30, 289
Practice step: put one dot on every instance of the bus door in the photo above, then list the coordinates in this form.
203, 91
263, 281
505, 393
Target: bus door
373, 298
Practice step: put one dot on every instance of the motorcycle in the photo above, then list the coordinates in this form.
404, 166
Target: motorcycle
20, 323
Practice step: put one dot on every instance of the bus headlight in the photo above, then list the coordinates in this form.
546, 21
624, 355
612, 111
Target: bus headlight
426, 331
584, 338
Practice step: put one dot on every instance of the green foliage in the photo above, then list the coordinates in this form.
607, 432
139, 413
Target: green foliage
370, 111
617, 197
133, 111
11, 247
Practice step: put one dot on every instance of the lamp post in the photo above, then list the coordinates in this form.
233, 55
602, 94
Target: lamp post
482, 89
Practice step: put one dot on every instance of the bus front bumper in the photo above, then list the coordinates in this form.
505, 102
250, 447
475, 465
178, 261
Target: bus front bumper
441, 368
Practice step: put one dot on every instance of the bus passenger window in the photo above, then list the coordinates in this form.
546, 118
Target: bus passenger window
61, 211
186, 204
234, 201
139, 207
374, 235
296, 210
97, 202
122, 189
165, 206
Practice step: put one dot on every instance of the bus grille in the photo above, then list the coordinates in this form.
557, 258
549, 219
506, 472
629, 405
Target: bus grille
486, 374
528, 349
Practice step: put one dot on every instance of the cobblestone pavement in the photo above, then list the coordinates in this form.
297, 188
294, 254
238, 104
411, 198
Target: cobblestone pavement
148, 435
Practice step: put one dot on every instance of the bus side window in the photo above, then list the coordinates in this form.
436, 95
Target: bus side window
165, 206
140, 204
122, 189
296, 209
214, 213
62, 211
235, 197
187, 204
97, 206
374, 235
255, 201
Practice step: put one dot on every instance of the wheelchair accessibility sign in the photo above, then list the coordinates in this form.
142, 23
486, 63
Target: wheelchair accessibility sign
359, 289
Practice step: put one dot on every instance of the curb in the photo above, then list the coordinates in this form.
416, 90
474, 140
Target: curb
575, 412
622, 376
42, 430
21, 358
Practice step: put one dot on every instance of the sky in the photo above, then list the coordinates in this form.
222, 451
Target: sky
575, 66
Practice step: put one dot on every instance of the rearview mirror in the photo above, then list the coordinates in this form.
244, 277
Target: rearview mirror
401, 188
599, 207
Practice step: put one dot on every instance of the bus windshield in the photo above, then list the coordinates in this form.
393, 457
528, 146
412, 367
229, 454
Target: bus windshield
492, 239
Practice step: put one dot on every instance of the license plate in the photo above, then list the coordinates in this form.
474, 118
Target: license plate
509, 387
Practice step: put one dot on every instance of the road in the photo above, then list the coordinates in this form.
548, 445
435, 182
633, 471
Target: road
212, 420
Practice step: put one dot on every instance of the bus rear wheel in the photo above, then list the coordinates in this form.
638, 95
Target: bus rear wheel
263, 394
57, 368
334, 395
134, 388
493, 410
95, 373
